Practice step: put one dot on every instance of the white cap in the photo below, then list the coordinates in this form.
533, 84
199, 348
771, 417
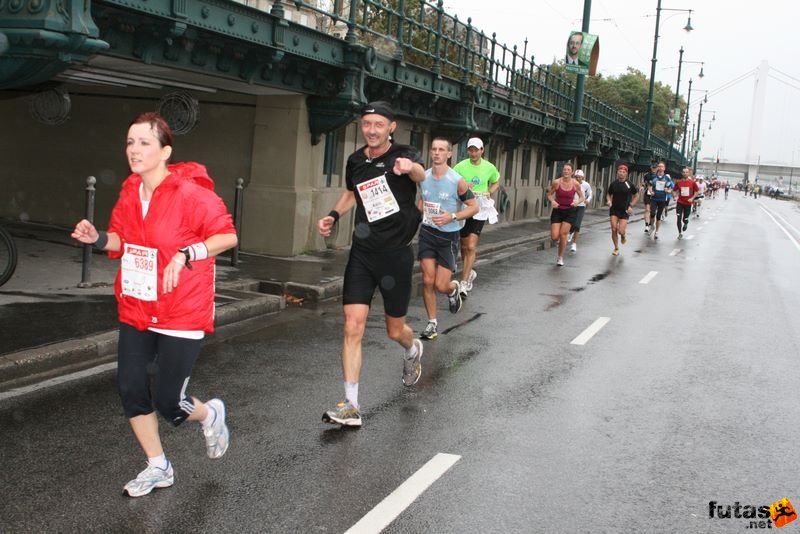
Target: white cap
475, 141
579, 173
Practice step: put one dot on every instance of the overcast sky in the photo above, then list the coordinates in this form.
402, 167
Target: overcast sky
732, 38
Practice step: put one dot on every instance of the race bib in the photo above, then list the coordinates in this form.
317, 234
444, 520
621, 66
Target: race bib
660, 186
379, 202
140, 272
429, 210
685, 191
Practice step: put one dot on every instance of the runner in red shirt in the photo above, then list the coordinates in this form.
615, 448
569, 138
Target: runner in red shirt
167, 227
684, 191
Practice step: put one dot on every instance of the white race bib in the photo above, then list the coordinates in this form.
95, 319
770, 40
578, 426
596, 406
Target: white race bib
660, 186
685, 191
140, 272
429, 210
379, 202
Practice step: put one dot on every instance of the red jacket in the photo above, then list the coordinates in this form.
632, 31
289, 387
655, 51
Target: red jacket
184, 210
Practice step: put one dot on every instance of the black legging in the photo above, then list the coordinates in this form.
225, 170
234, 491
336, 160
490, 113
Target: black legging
171, 358
682, 214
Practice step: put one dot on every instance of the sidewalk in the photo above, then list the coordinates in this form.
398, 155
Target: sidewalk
51, 326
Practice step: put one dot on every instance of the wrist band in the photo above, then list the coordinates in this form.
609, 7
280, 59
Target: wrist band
187, 254
102, 240
335, 215
198, 251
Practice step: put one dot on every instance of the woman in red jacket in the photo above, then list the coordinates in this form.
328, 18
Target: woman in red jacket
167, 227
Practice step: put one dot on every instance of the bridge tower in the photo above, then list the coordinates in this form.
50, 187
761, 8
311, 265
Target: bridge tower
756, 119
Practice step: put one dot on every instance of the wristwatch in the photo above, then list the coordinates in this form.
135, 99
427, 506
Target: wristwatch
455, 217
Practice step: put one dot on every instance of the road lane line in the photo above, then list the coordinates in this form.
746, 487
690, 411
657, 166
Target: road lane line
18, 392
675, 252
784, 230
587, 334
699, 228
779, 216
649, 276
393, 505
690, 237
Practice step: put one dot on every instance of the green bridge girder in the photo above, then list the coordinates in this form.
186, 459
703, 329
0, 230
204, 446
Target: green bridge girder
229, 41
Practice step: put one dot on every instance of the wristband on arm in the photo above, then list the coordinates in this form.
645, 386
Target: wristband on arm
335, 215
102, 240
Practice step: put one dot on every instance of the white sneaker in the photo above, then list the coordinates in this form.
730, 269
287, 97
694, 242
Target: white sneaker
217, 436
569, 237
560, 261
150, 479
573, 247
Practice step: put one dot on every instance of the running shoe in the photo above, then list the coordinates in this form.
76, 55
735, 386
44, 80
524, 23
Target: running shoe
560, 261
150, 479
573, 247
454, 299
344, 414
655, 236
412, 367
569, 237
616, 252
623, 239
217, 435
646, 229
430, 331
685, 225
680, 236
471, 278
462, 289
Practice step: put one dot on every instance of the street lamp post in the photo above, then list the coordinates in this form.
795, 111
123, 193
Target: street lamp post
686, 120
675, 103
648, 118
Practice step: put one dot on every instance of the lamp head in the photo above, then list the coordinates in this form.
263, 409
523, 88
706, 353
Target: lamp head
688, 26
701, 71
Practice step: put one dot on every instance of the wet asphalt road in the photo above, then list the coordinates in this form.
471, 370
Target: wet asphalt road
688, 394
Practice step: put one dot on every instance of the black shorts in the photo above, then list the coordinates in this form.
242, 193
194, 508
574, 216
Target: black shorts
563, 216
389, 270
619, 213
441, 246
472, 226
576, 227
647, 199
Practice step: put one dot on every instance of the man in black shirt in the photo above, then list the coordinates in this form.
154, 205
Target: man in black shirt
382, 179
621, 197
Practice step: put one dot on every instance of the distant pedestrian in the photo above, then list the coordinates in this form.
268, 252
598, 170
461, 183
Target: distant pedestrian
621, 197
483, 179
167, 227
381, 179
443, 193
574, 235
564, 194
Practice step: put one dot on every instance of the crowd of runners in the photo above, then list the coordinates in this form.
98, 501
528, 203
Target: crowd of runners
168, 225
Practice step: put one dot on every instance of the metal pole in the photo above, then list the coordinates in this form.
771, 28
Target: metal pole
648, 118
686, 121
697, 140
237, 219
580, 84
675, 104
86, 275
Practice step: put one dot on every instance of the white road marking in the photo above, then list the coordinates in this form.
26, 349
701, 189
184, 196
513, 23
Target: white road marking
649, 276
779, 216
784, 230
393, 505
587, 334
705, 222
18, 392
690, 237
699, 228
675, 252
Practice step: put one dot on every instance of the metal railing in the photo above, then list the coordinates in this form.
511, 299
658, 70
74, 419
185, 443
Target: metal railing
424, 34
